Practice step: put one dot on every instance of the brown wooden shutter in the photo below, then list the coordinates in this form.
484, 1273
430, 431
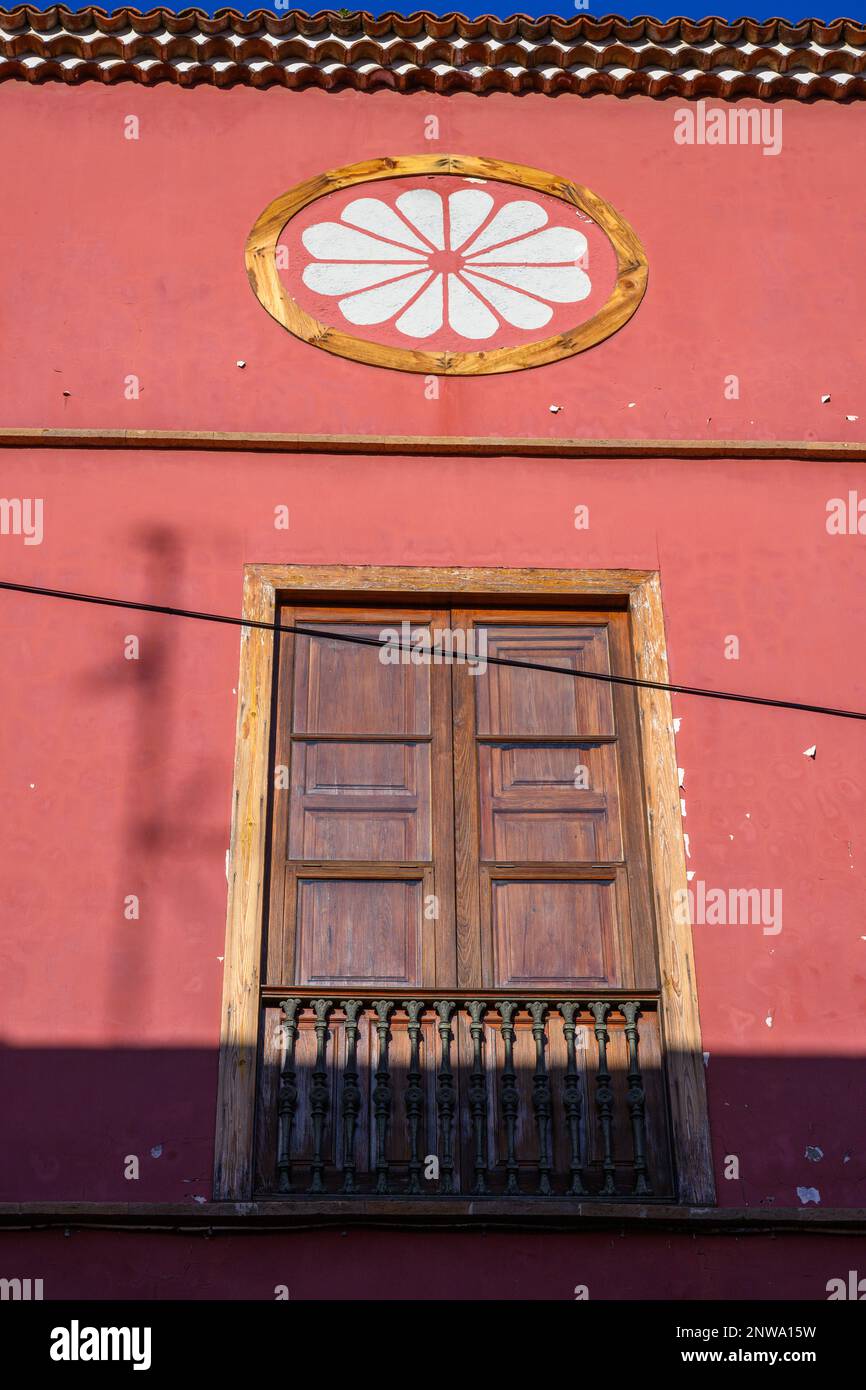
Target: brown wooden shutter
552, 890
542, 824
362, 863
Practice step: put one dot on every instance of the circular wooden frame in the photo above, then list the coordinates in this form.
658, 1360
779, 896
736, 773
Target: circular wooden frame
628, 291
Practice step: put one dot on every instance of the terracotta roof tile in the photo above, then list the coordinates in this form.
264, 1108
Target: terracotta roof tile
689, 58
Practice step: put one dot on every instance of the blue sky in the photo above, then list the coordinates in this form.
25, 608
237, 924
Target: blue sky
791, 9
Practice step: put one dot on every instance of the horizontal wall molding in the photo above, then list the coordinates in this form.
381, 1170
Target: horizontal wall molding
430, 1213
478, 446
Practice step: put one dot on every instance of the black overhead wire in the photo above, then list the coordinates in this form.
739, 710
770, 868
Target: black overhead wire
327, 633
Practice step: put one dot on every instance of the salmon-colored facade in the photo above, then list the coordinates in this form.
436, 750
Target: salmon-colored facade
127, 307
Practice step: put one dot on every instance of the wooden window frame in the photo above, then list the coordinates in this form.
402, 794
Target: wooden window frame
639, 591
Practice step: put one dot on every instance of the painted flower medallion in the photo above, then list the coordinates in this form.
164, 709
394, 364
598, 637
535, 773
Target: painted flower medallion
449, 272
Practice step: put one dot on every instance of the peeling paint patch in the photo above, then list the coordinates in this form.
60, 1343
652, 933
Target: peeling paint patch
156, 1151
813, 1153
706, 1059
769, 1020
809, 1194
811, 752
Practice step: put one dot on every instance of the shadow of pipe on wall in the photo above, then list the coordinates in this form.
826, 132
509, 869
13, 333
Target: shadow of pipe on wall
170, 831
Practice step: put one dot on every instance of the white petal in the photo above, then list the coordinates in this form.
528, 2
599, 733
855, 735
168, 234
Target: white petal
517, 309
515, 219
372, 215
466, 314
331, 241
341, 277
423, 208
467, 209
561, 284
383, 302
554, 244
424, 316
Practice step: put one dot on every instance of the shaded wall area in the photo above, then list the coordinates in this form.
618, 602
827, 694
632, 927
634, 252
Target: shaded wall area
371, 1265
78, 1115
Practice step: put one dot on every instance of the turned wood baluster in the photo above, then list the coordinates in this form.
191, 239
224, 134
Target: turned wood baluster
478, 1093
351, 1092
508, 1093
287, 1102
446, 1099
571, 1096
636, 1100
604, 1096
541, 1098
382, 1094
319, 1091
414, 1094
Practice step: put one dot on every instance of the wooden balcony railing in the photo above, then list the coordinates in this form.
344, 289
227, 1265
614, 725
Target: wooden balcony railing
486, 1096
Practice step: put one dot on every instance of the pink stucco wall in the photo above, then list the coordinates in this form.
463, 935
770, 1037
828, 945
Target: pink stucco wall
126, 257
385, 1265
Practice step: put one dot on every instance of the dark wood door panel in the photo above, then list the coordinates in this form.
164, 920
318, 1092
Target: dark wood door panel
360, 932
347, 688
354, 800
549, 802
515, 701
551, 933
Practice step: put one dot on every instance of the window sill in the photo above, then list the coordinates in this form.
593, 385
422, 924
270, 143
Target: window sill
420, 1213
